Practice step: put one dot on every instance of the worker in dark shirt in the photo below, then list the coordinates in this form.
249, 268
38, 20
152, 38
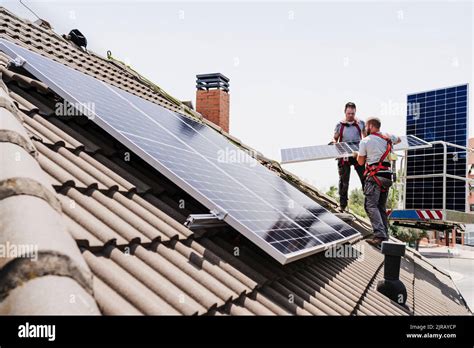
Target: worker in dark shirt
374, 152
348, 130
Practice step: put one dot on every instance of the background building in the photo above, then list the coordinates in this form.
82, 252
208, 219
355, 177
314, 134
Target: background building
469, 235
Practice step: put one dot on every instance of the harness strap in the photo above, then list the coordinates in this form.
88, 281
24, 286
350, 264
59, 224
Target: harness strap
341, 131
358, 128
372, 170
343, 125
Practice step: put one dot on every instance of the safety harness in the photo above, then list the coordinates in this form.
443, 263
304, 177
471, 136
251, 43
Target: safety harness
341, 133
372, 169
343, 125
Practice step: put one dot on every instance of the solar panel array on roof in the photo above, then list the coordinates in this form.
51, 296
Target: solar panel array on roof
340, 150
438, 115
254, 200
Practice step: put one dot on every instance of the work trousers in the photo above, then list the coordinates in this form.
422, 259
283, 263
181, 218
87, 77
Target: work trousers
344, 168
376, 205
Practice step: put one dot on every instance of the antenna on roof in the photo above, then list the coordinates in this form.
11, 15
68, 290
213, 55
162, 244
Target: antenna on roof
39, 21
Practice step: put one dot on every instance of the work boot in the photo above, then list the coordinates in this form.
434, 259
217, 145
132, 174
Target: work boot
376, 241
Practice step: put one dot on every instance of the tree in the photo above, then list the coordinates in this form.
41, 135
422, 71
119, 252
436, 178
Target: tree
393, 197
408, 235
333, 192
356, 202
356, 199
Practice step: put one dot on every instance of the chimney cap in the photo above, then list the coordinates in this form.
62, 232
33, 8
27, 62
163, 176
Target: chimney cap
393, 249
214, 80
213, 75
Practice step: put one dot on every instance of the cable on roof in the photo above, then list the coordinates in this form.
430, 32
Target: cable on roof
40, 22
29, 9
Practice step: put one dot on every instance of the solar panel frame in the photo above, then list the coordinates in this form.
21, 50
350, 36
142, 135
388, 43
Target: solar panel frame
341, 150
267, 175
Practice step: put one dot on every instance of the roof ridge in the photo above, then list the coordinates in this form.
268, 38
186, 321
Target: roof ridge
123, 67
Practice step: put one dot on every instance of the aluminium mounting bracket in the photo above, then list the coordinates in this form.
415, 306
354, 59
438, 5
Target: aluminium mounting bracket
18, 62
215, 218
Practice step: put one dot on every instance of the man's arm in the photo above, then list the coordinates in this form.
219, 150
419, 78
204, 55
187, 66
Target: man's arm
395, 140
362, 154
335, 138
364, 132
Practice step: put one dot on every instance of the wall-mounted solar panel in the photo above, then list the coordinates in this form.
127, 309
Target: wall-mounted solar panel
438, 115
270, 212
340, 150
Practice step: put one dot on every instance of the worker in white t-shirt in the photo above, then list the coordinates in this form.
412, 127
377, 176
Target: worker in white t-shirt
374, 152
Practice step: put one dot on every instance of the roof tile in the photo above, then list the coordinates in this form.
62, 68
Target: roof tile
58, 296
127, 286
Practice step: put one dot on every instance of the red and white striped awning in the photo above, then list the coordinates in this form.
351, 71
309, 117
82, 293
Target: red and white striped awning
430, 214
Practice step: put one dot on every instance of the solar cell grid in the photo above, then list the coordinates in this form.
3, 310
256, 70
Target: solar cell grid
438, 115
266, 209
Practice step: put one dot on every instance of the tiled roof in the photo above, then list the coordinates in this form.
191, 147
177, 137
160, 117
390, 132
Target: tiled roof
110, 231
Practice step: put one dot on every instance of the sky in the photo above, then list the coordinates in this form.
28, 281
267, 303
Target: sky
292, 65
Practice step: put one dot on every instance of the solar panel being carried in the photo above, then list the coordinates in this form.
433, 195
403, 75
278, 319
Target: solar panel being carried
340, 150
272, 213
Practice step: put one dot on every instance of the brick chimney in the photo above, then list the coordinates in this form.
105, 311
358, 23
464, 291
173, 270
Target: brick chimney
212, 98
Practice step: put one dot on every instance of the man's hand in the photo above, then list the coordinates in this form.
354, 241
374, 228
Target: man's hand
361, 160
332, 142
